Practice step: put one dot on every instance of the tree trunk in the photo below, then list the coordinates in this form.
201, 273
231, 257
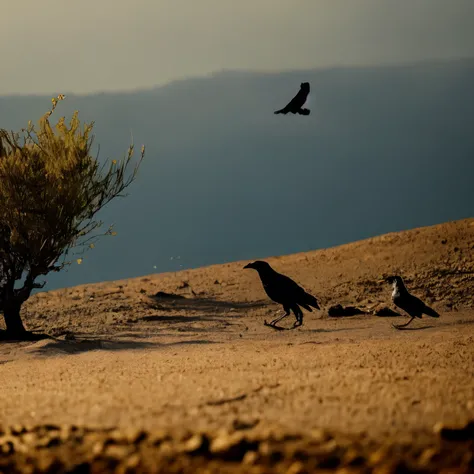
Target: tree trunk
11, 314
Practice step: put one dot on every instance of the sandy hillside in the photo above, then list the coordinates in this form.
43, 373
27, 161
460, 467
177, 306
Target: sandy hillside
203, 360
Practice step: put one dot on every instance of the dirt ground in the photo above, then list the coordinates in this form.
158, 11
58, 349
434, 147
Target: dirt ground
201, 368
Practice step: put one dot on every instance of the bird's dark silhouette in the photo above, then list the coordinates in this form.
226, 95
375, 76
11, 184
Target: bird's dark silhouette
406, 301
295, 106
285, 291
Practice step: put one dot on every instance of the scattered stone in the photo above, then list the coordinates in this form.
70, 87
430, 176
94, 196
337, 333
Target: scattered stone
49, 441
340, 311
319, 436
353, 458
118, 452
250, 458
135, 436
296, 468
196, 444
244, 425
48, 427
232, 447
98, 448
463, 433
7, 444
18, 430
29, 438
427, 456
378, 456
158, 437
267, 449
132, 463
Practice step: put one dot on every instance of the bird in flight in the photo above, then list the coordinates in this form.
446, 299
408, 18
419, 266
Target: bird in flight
285, 291
295, 106
406, 301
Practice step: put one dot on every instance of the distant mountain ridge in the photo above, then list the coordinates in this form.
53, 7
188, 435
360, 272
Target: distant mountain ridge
385, 148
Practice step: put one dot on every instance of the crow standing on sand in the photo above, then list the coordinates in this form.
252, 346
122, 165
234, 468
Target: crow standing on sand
409, 303
295, 106
285, 291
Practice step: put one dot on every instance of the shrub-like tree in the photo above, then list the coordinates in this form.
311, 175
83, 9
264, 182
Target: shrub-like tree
51, 189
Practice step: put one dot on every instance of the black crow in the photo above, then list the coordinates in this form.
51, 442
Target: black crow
409, 303
295, 106
285, 291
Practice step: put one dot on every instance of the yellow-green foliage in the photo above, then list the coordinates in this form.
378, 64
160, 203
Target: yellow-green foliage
51, 187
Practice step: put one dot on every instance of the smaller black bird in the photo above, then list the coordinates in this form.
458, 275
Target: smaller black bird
295, 106
409, 303
285, 291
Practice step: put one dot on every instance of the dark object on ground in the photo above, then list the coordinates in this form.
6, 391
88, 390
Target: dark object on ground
386, 311
295, 106
285, 291
339, 310
170, 296
406, 301
464, 433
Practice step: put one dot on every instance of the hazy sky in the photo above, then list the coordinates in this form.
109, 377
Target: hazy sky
52, 46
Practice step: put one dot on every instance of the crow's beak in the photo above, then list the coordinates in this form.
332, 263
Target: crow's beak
249, 265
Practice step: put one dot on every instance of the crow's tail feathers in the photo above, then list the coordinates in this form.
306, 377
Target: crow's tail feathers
304, 111
306, 307
311, 301
430, 312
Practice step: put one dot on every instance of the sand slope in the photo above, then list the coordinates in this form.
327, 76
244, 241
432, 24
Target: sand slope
206, 361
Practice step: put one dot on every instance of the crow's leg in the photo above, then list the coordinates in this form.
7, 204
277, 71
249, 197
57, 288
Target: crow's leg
298, 315
276, 320
399, 326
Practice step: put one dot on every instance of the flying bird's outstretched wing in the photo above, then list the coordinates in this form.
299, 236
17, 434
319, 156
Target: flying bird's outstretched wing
295, 106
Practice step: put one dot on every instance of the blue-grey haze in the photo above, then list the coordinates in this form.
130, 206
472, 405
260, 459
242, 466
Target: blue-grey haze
384, 149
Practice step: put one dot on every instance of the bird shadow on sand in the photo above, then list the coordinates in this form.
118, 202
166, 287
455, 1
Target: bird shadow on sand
420, 328
201, 314
61, 347
322, 330
207, 323
317, 330
178, 319
178, 302
458, 322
